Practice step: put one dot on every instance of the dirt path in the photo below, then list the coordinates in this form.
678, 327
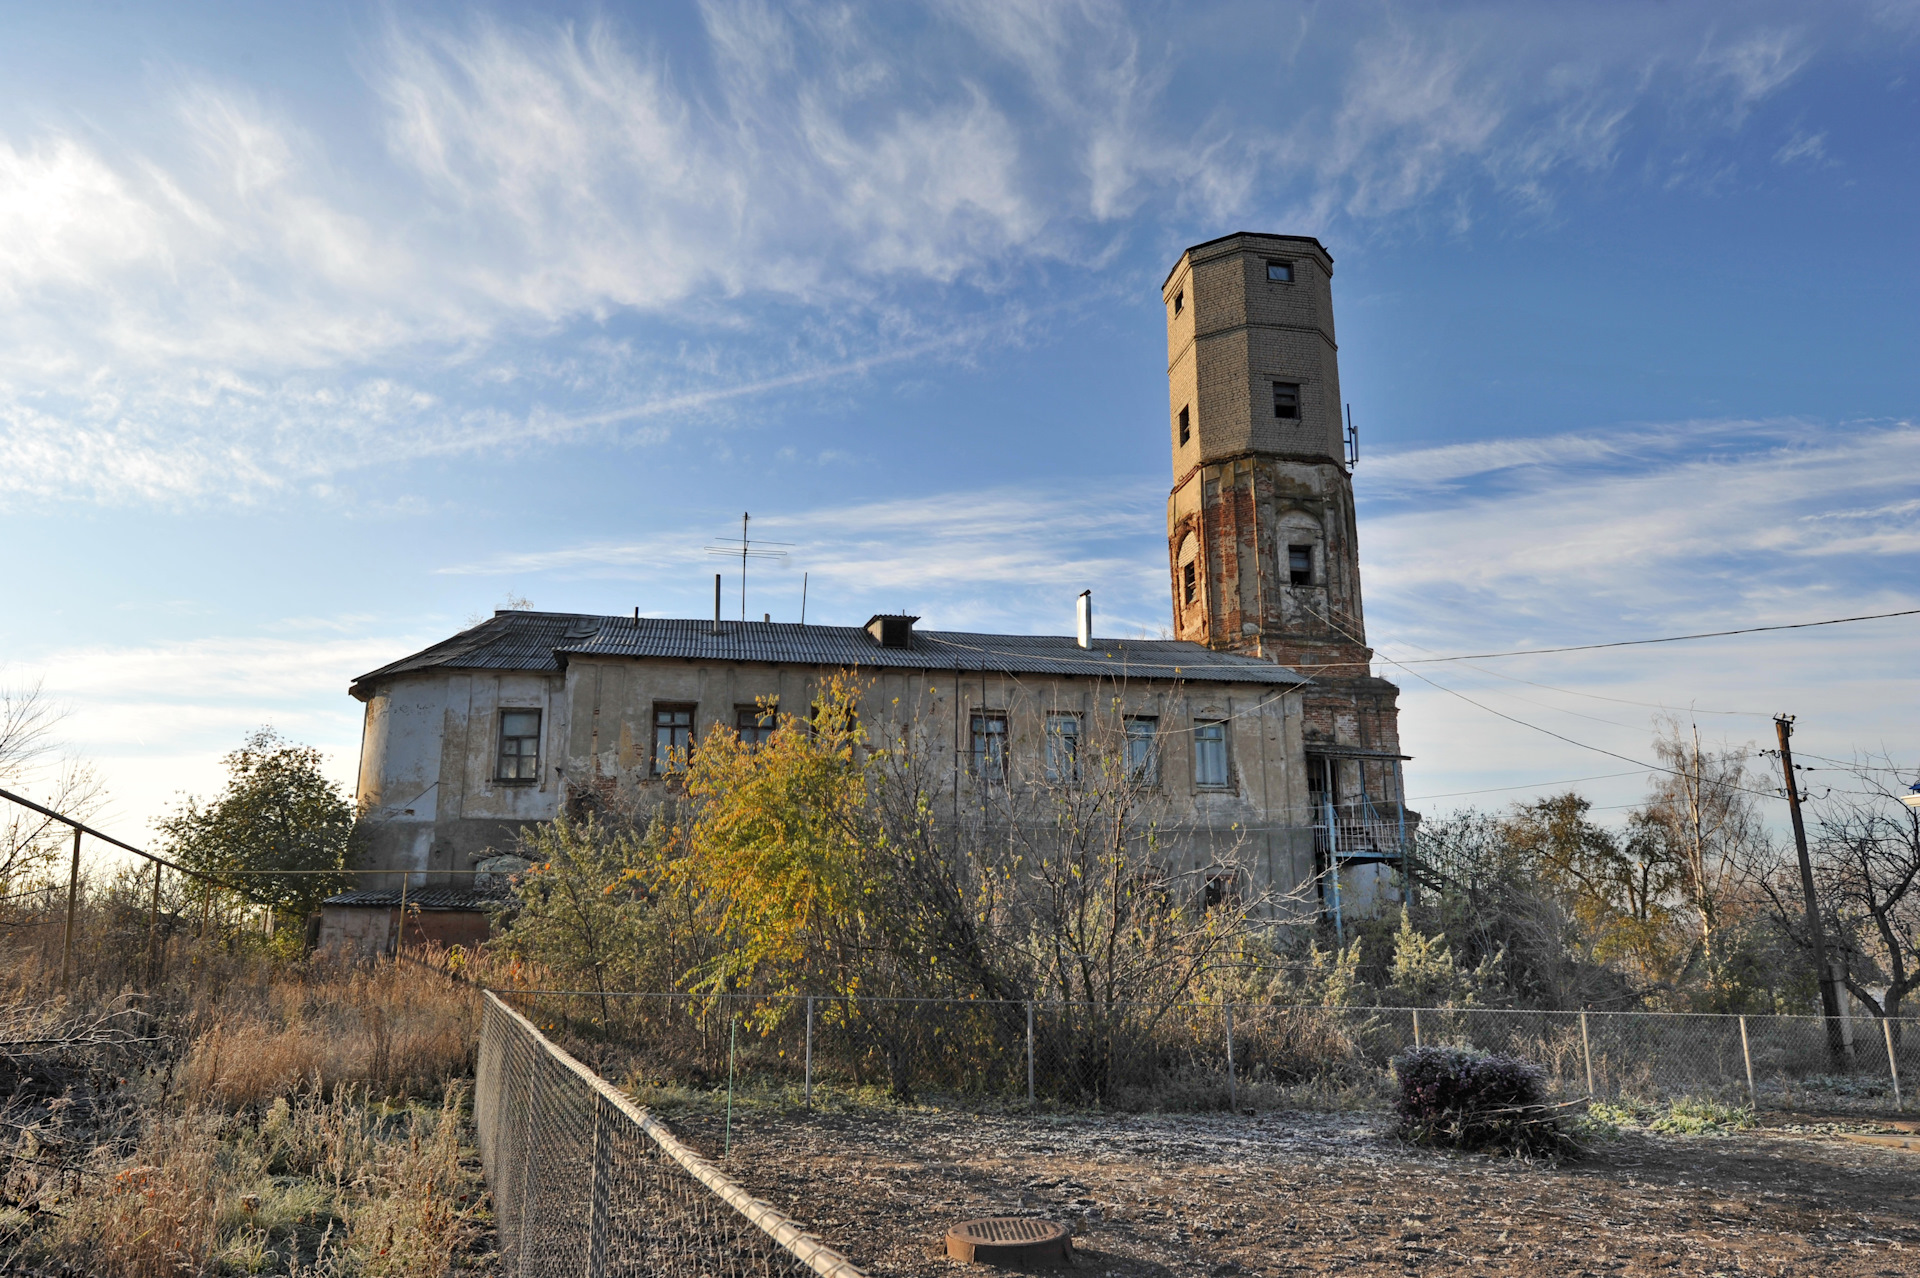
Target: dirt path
1316, 1193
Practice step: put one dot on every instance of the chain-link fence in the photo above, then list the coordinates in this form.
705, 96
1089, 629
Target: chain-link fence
585, 1181
1207, 1056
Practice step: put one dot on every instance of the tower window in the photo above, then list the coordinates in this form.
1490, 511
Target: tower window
1187, 588
1300, 565
1179, 303
1281, 272
1286, 399
1186, 432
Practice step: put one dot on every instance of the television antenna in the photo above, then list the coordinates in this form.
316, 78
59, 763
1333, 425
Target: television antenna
746, 548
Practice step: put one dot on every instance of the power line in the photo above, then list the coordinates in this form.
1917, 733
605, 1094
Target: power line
1531, 785
1629, 643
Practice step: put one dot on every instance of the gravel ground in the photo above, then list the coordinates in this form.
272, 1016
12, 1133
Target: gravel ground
1319, 1193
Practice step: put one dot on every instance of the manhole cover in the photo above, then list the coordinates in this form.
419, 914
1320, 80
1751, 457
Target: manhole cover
1017, 1242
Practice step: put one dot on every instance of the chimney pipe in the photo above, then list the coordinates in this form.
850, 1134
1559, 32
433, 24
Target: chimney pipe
716, 603
1086, 618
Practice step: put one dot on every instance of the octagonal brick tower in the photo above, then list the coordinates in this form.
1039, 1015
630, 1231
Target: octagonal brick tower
1261, 537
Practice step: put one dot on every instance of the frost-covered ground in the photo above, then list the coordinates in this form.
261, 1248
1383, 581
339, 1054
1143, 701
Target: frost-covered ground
1329, 1193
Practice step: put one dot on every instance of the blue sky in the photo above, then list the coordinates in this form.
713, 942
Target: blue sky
323, 329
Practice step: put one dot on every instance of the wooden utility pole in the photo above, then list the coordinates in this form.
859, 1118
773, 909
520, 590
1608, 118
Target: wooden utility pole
1817, 936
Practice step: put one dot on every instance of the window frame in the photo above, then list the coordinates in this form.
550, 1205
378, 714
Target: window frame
1278, 264
1056, 740
1225, 755
522, 775
668, 767
979, 742
765, 720
1278, 388
1293, 571
1186, 426
1179, 303
1146, 772
1189, 584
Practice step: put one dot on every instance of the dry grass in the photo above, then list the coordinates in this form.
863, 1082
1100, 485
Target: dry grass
399, 1030
270, 1118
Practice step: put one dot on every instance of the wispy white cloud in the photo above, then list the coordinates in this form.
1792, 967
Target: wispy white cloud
227, 310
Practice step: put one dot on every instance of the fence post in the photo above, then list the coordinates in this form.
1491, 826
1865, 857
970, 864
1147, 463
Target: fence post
1233, 1084
155, 954
1746, 1054
1893, 1065
809, 1051
73, 894
598, 1192
1586, 1052
1029, 1053
1416, 1027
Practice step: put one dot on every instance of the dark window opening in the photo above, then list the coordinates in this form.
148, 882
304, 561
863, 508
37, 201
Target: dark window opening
1219, 891
1063, 747
1179, 302
519, 745
1142, 758
755, 723
1286, 399
1300, 565
990, 747
1280, 271
1188, 586
1210, 754
672, 738
1185, 432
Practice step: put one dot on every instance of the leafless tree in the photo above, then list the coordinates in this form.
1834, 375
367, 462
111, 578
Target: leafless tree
34, 764
1701, 816
1869, 881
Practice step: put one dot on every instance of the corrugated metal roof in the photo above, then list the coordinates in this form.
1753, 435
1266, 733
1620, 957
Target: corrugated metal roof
425, 898
514, 641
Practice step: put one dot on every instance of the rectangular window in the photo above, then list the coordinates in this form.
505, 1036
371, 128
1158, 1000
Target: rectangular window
672, 738
1187, 585
1210, 754
1142, 758
519, 745
1179, 302
1185, 432
1063, 747
990, 746
1280, 271
1286, 400
754, 723
1300, 565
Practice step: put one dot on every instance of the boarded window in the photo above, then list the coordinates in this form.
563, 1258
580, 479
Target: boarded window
519, 745
1186, 433
990, 746
1280, 272
672, 738
1210, 754
1063, 747
1300, 565
1142, 755
1286, 400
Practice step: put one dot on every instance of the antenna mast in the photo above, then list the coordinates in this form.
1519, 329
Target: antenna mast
747, 551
